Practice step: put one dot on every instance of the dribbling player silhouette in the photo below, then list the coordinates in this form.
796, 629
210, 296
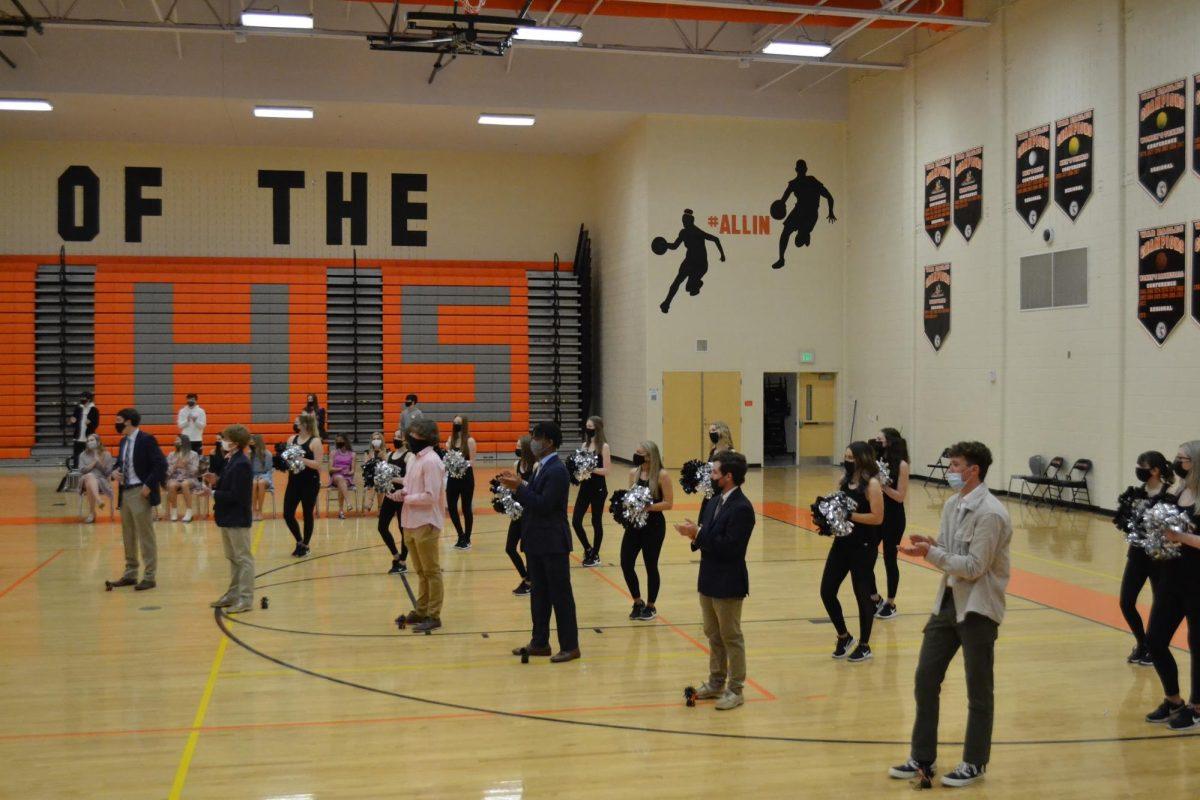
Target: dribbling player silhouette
695, 260
808, 192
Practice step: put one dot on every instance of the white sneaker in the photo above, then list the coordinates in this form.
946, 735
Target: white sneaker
174, 515
89, 519
707, 691
188, 516
730, 700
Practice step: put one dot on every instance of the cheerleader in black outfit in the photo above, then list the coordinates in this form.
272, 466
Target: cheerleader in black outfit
462, 489
891, 448
593, 492
524, 469
304, 486
1177, 596
855, 554
647, 471
1155, 475
389, 509
722, 440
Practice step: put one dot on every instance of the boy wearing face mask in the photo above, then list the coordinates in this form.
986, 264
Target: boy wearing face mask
233, 501
410, 413
141, 472
422, 518
191, 420
84, 420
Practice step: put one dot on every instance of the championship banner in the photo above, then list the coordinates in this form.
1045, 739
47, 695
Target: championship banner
1162, 137
1161, 280
937, 199
968, 191
937, 304
1196, 123
1033, 174
1073, 162
1196, 271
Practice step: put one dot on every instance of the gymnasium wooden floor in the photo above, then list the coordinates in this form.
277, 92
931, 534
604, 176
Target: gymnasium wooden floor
150, 695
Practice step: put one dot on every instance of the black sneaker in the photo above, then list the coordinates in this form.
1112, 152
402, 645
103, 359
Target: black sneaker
1146, 659
911, 769
591, 559
1136, 654
462, 544
861, 653
298, 550
648, 613
843, 646
303, 550
522, 588
638, 605
1164, 712
886, 610
1187, 718
398, 568
964, 775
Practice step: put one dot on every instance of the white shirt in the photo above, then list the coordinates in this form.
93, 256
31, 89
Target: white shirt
191, 421
128, 474
83, 415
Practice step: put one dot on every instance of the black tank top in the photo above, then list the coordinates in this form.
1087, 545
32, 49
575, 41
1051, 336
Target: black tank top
862, 534
654, 515
466, 454
396, 459
308, 473
1183, 572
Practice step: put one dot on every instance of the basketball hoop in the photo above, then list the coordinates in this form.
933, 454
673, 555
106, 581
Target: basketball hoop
472, 7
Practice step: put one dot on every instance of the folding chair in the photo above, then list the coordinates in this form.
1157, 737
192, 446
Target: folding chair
941, 465
1037, 469
1045, 482
1075, 482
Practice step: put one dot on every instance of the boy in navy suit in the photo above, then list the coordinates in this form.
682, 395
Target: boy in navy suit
141, 472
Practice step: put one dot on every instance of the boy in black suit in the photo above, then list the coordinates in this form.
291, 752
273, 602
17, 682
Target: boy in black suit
141, 472
722, 537
546, 540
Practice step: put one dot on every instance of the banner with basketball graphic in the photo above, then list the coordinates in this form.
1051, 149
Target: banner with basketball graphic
1033, 174
1161, 276
1196, 271
1073, 162
1162, 137
937, 304
1196, 123
937, 199
968, 191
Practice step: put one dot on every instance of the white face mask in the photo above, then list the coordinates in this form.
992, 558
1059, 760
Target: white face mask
956, 481
93, 444
377, 443
228, 447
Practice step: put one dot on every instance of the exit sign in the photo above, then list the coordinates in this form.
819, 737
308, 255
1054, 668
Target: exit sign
807, 357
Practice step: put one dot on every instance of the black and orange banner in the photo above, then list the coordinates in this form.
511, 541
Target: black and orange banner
1196, 271
1073, 138
1161, 279
1162, 137
937, 304
1033, 174
937, 199
1196, 123
968, 191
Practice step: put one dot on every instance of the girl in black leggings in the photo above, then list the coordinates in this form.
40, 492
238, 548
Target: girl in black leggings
523, 468
462, 489
1176, 597
854, 555
891, 448
647, 471
593, 493
389, 509
1155, 475
304, 486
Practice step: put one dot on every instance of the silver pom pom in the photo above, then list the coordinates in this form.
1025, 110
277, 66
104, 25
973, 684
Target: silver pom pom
293, 456
456, 464
504, 502
885, 474
582, 463
704, 480
1156, 522
837, 508
635, 501
385, 472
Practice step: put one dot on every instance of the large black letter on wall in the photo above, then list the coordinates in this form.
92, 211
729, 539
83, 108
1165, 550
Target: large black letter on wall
280, 182
337, 209
136, 206
404, 210
82, 177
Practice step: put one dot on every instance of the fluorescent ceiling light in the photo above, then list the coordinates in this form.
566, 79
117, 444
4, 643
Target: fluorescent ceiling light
21, 104
568, 35
519, 120
282, 112
801, 49
268, 19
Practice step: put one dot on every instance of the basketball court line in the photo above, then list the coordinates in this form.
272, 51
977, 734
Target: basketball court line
31, 573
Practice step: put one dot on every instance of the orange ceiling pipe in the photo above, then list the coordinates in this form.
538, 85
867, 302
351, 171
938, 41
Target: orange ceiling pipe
631, 8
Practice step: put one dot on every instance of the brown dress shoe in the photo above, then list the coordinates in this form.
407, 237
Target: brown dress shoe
144, 585
564, 655
531, 650
412, 618
122, 582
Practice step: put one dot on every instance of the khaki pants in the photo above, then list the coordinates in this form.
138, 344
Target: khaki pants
727, 646
424, 550
137, 530
241, 565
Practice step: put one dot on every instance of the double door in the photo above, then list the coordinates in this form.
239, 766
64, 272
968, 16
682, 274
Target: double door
691, 402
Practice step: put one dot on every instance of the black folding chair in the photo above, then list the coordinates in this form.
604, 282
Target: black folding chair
1075, 482
1045, 483
1037, 469
941, 465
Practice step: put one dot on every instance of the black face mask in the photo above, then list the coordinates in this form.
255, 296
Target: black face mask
408, 403
517, 453
457, 427
878, 447
589, 433
295, 427
716, 485
1179, 470
638, 459
416, 445
120, 426
714, 437
849, 467
397, 443
1142, 473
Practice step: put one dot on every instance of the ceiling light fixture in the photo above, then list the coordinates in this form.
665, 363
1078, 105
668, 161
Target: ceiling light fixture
22, 104
268, 19
516, 120
283, 112
798, 49
563, 35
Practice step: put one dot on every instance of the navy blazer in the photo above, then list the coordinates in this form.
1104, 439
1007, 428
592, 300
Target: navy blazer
234, 493
148, 462
544, 529
722, 542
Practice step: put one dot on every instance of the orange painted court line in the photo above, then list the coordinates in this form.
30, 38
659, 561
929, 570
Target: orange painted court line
31, 573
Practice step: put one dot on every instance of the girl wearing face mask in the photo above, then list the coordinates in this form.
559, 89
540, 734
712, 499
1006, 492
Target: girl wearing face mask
375, 454
389, 509
1176, 597
891, 449
647, 471
1155, 475
593, 492
341, 472
524, 470
262, 473
854, 555
183, 465
95, 468
312, 405
721, 439
462, 490
304, 486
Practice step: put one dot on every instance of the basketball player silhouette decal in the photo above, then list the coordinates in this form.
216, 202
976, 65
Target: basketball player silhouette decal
808, 192
695, 259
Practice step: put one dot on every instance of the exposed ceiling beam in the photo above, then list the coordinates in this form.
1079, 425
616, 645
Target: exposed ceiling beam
874, 15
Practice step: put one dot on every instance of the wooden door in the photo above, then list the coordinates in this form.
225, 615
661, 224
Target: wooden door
682, 417
721, 399
817, 401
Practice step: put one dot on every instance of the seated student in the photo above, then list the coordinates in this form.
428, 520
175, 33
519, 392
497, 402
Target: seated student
341, 472
95, 469
262, 470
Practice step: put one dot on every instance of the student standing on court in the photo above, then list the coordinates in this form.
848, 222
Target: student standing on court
84, 420
593, 492
410, 413
462, 490
191, 420
648, 540
141, 471
390, 509
422, 518
972, 552
892, 450
1155, 474
546, 540
233, 509
722, 538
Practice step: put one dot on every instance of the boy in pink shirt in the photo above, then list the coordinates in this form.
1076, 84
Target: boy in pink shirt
421, 519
